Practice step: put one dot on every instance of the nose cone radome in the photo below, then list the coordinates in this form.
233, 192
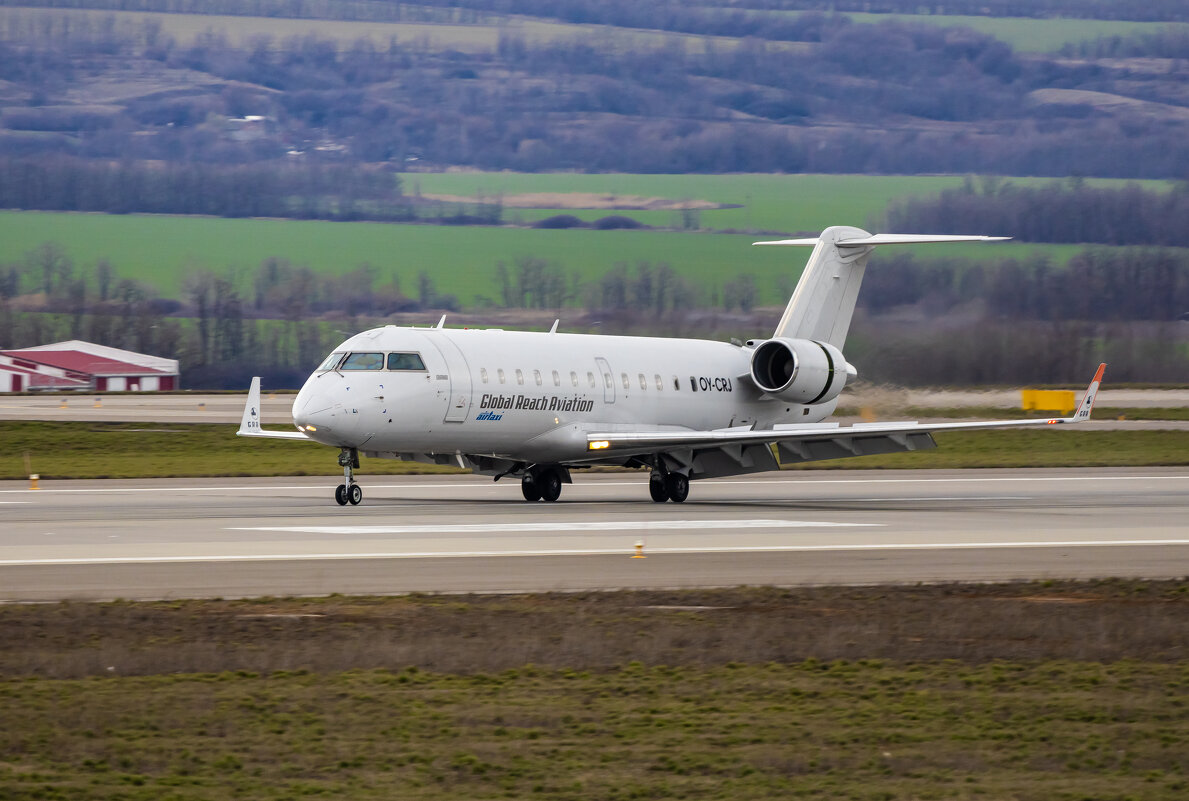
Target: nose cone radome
313, 408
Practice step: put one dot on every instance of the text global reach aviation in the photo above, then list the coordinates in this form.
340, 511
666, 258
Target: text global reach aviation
535, 406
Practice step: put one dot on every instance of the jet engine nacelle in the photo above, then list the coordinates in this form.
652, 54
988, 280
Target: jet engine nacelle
799, 370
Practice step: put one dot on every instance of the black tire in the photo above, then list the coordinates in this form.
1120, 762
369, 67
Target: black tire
656, 488
676, 487
529, 488
340, 494
549, 481
355, 494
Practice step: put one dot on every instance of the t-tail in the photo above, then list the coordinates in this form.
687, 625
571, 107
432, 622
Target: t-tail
824, 301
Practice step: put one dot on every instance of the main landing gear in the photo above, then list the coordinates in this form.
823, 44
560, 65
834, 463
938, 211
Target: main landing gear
348, 491
541, 483
668, 487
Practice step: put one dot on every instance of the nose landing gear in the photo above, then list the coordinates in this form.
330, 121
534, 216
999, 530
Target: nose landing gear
348, 491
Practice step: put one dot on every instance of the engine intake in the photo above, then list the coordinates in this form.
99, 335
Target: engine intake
799, 370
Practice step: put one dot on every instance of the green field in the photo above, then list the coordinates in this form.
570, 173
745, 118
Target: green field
1028, 34
241, 30
789, 203
162, 250
1024, 34
148, 450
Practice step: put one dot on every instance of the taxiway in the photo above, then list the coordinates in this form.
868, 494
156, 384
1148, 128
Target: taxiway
286, 536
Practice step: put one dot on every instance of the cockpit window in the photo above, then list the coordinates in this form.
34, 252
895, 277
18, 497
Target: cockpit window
332, 361
363, 361
405, 361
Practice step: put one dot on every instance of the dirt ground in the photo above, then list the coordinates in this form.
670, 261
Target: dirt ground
1102, 621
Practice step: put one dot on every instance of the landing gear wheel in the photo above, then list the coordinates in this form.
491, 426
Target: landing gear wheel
355, 494
529, 488
676, 487
656, 488
549, 482
340, 494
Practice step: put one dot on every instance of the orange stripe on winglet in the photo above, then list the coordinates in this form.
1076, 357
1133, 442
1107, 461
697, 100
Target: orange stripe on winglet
1098, 375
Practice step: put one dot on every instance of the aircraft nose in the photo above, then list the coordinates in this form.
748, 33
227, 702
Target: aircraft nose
312, 409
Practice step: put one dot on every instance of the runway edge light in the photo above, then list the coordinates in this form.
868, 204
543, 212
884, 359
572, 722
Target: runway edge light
639, 554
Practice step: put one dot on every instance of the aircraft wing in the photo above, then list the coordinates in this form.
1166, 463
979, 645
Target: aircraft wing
250, 425
813, 441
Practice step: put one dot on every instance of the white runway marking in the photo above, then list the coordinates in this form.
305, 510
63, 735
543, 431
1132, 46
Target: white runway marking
590, 525
802, 482
302, 557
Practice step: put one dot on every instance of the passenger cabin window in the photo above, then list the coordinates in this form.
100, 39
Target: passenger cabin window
537, 377
676, 384
643, 382
405, 361
660, 384
557, 379
590, 378
363, 361
500, 373
573, 378
627, 383
332, 361
519, 376
483, 374
607, 382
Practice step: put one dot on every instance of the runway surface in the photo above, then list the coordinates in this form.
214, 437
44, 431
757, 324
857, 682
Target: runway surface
286, 536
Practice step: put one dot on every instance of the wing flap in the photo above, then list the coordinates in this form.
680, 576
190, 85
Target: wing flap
855, 440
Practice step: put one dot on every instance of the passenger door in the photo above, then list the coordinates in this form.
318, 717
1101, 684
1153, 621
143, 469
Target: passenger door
608, 379
458, 402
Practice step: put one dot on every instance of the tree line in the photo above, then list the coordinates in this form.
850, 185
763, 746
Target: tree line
1169, 43
1008, 322
1069, 211
303, 191
1115, 284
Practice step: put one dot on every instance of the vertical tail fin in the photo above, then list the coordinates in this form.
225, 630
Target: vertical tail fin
824, 301
1087, 404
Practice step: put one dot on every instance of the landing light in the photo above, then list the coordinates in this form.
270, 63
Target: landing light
311, 428
599, 445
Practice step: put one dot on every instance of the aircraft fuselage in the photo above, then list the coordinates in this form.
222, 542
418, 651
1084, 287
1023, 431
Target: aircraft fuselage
527, 396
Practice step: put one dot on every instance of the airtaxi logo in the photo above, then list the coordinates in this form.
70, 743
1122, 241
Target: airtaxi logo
489, 416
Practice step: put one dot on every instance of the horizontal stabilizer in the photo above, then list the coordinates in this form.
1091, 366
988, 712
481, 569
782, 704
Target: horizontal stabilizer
889, 239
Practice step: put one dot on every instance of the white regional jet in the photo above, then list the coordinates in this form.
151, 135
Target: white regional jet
535, 406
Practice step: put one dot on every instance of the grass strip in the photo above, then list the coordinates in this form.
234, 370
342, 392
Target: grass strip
154, 450
999, 709
1014, 412
866, 730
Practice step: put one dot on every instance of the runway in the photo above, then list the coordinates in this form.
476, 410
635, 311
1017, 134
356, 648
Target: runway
285, 536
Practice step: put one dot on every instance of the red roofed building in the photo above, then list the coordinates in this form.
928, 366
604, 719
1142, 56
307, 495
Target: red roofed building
86, 367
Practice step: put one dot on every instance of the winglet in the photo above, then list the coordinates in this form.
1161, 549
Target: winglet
1087, 404
250, 424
